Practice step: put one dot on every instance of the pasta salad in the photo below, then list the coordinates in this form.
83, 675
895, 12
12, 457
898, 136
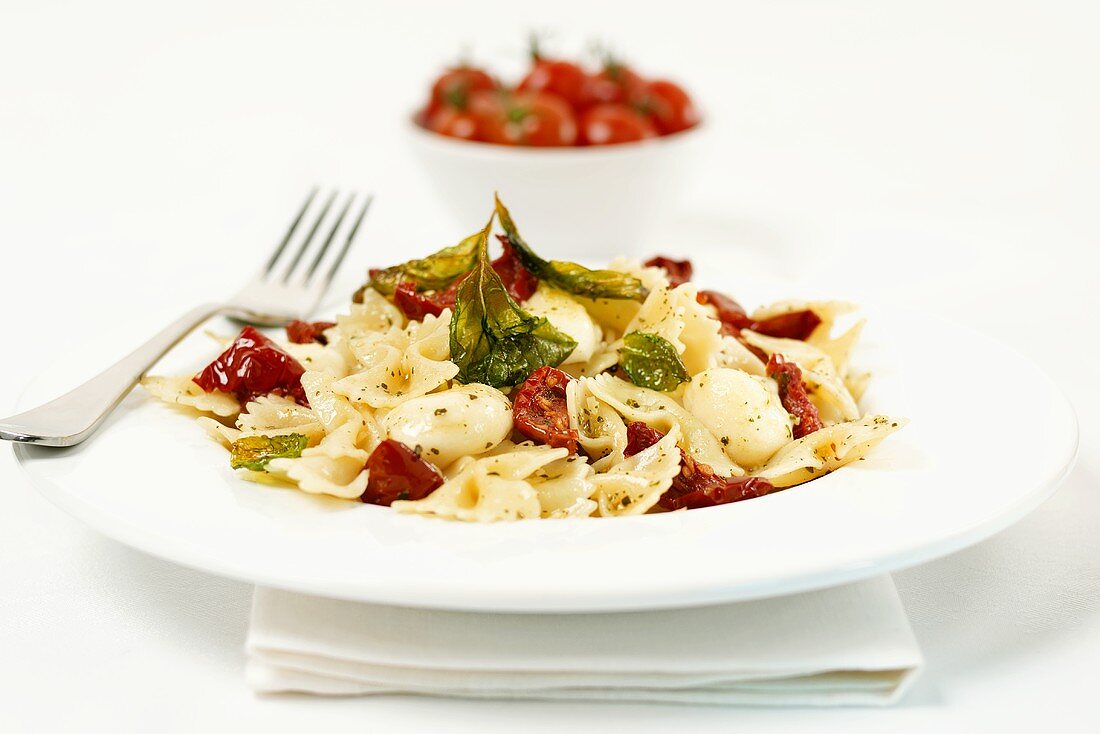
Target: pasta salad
482, 389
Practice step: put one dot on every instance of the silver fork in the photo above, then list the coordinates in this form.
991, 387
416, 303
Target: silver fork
287, 287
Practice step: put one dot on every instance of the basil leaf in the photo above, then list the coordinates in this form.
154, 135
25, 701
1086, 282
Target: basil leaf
652, 361
432, 273
493, 340
570, 277
253, 452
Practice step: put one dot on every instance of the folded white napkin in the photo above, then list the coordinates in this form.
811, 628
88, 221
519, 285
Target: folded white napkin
851, 645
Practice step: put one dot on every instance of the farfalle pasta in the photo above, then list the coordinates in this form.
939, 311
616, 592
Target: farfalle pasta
479, 390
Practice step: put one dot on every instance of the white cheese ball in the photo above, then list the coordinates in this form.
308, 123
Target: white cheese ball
464, 421
742, 411
567, 315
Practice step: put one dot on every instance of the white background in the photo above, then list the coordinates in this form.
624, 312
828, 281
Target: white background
940, 155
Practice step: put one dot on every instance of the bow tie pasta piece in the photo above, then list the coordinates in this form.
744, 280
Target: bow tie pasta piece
827, 390
184, 392
603, 358
401, 363
661, 412
490, 488
743, 411
736, 355
335, 466
273, 415
634, 486
463, 421
374, 314
601, 431
677, 316
827, 450
568, 316
565, 487
830, 312
318, 358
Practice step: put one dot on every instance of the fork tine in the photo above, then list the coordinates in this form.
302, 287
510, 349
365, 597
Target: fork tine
348, 240
328, 240
309, 237
290, 232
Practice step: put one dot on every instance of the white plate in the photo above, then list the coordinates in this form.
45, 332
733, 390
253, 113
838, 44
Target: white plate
990, 437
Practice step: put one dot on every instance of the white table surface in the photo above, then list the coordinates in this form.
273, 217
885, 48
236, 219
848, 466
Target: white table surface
941, 155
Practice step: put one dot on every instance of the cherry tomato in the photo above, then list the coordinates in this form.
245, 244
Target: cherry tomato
565, 79
538, 119
616, 83
453, 87
670, 107
454, 123
607, 124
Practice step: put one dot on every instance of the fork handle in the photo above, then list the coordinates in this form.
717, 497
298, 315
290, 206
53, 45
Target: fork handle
71, 418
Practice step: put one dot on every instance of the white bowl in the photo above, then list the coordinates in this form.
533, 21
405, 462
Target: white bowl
591, 202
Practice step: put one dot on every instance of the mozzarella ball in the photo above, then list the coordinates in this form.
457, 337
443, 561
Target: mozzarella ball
742, 411
567, 315
464, 421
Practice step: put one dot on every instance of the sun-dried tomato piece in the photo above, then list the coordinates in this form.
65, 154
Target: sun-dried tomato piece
729, 311
520, 282
253, 365
539, 411
679, 271
792, 393
305, 332
416, 305
696, 485
640, 437
396, 472
793, 325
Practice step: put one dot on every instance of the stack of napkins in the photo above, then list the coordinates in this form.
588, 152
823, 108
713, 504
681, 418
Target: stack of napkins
850, 645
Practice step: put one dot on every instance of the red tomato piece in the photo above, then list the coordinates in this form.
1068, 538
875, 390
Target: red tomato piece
670, 107
519, 281
616, 83
679, 271
793, 325
417, 305
729, 311
609, 124
305, 332
640, 437
563, 78
396, 472
454, 86
253, 365
535, 119
696, 485
792, 393
539, 411
454, 123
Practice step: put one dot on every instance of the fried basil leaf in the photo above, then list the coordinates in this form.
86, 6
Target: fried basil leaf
570, 277
651, 361
253, 452
432, 273
493, 340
